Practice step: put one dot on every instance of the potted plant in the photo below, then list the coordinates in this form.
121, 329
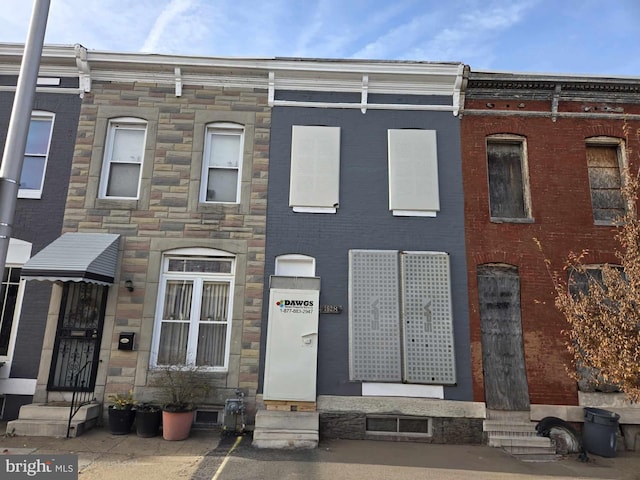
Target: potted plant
148, 419
182, 387
121, 413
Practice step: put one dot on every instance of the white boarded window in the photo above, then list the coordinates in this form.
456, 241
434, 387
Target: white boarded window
124, 153
315, 169
413, 173
222, 165
400, 317
295, 265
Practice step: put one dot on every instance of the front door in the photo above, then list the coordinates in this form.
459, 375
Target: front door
505, 377
77, 343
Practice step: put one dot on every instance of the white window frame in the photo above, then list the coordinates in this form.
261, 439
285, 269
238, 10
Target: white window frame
33, 192
128, 123
17, 255
300, 263
221, 128
198, 280
413, 168
524, 167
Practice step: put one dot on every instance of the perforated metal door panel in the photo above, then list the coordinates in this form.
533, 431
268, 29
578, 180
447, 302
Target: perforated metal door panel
374, 313
427, 321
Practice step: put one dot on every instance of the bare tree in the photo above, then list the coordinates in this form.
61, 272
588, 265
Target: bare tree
602, 308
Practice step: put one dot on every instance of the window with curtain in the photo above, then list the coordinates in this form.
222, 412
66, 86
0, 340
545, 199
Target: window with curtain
222, 164
124, 153
194, 312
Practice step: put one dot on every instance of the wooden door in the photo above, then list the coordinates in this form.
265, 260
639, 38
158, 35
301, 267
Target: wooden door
505, 378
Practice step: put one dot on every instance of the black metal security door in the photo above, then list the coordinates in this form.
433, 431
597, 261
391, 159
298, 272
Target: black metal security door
77, 343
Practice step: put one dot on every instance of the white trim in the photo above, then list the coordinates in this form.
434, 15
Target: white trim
178, 74
197, 252
74, 91
19, 252
370, 106
402, 390
315, 209
51, 81
414, 213
17, 386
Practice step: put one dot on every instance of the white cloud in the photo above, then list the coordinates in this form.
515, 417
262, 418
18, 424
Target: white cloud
169, 14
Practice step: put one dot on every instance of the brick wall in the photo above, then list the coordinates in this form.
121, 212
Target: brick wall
563, 222
168, 215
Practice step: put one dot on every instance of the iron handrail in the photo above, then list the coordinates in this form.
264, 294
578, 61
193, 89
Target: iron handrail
80, 397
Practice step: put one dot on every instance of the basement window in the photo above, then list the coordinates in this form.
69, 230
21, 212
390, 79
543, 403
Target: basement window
385, 425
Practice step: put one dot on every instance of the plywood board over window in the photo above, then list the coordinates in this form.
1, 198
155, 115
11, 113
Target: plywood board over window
603, 162
507, 179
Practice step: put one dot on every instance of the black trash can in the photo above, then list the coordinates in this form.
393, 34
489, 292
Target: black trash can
600, 431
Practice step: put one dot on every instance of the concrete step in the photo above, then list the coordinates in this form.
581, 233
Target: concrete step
48, 428
537, 457
286, 430
272, 419
283, 439
522, 441
37, 411
521, 416
507, 426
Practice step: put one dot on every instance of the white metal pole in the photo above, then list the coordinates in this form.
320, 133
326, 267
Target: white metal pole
11, 166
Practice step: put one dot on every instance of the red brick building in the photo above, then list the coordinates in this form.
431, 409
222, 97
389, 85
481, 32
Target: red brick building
541, 159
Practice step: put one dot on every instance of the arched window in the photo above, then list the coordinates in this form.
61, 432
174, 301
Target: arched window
222, 163
194, 309
294, 265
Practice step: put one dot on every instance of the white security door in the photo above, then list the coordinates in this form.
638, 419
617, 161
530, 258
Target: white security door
292, 345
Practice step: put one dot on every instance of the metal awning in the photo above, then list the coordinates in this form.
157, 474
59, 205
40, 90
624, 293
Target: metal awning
76, 257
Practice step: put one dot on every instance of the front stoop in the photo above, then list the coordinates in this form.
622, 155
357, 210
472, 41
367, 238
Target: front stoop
41, 420
516, 434
286, 430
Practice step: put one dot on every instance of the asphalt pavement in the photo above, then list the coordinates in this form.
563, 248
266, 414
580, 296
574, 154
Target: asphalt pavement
206, 455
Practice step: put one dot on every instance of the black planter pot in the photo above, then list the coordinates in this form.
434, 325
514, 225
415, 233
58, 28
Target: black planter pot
148, 422
121, 421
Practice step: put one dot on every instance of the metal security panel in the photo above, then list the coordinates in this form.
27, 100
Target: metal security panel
427, 321
374, 313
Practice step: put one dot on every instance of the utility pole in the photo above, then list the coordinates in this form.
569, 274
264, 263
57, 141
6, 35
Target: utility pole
11, 167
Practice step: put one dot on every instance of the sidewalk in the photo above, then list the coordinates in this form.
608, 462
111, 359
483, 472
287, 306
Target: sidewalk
102, 456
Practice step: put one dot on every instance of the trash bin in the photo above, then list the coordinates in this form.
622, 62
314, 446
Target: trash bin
600, 431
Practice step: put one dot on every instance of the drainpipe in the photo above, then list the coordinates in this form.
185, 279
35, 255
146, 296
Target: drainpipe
11, 166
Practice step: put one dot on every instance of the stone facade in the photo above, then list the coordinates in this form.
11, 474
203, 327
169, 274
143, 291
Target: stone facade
168, 215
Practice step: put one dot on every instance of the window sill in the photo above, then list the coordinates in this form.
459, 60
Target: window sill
315, 209
218, 207
606, 223
512, 220
414, 213
117, 203
32, 194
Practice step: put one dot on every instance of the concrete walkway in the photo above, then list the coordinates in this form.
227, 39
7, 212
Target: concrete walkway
205, 454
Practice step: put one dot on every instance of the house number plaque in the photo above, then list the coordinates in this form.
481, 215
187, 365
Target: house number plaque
330, 308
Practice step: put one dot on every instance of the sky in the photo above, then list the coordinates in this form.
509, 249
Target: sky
600, 37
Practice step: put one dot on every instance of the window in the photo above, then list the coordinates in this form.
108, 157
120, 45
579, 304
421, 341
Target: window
11, 292
36, 155
603, 161
124, 153
400, 320
315, 169
293, 265
508, 185
193, 322
413, 173
222, 164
